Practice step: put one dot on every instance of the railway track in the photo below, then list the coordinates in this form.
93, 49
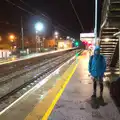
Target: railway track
43, 70
26, 69
18, 65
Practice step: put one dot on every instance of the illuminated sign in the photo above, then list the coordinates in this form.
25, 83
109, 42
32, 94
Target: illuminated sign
86, 35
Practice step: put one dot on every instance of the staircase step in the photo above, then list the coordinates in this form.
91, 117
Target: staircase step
110, 40
107, 36
107, 45
107, 53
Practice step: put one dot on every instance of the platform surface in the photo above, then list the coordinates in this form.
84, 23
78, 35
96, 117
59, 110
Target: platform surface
66, 95
75, 102
15, 59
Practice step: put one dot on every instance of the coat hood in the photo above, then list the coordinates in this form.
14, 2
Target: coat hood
97, 48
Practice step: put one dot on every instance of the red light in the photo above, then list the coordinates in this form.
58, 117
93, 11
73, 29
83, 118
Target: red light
86, 43
89, 44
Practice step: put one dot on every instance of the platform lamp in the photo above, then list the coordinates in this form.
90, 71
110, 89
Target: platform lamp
39, 28
56, 34
96, 18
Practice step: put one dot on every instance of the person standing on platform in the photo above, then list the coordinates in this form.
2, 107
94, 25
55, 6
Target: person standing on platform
97, 67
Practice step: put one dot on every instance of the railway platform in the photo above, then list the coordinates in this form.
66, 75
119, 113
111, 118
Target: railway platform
76, 103
63, 95
15, 59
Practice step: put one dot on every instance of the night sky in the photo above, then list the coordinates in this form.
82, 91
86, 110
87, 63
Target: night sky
60, 13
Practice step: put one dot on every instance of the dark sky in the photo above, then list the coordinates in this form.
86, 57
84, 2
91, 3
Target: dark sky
60, 11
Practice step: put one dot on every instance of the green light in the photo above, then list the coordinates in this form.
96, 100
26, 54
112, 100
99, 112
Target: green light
76, 43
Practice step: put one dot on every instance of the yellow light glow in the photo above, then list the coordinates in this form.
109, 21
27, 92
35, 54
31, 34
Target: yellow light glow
56, 36
13, 58
12, 38
65, 46
61, 44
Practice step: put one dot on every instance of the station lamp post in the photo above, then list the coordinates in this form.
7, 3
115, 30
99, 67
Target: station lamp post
39, 28
96, 18
12, 39
68, 37
56, 34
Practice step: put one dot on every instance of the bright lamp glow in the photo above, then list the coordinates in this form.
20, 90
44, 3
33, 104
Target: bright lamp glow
39, 26
56, 36
56, 33
61, 44
68, 37
12, 37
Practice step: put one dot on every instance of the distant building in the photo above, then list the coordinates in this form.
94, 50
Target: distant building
49, 43
61, 44
64, 44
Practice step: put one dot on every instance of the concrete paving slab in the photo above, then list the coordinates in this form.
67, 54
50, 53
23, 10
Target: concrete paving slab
75, 102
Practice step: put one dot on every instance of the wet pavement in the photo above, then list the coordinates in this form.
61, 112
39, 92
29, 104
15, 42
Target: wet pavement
76, 102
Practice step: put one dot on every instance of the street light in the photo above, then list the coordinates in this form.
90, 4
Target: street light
56, 36
12, 38
56, 33
39, 28
68, 37
96, 18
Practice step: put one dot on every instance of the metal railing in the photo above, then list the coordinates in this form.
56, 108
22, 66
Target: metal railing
105, 9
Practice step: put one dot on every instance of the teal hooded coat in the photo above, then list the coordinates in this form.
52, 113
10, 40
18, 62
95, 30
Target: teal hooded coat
97, 64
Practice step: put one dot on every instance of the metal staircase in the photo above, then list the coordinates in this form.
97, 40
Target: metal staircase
110, 24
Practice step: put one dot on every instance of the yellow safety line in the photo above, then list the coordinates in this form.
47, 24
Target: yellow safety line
47, 114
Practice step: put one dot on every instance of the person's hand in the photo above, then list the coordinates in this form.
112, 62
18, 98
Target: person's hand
92, 77
89, 74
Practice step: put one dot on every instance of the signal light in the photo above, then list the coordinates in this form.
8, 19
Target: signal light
76, 44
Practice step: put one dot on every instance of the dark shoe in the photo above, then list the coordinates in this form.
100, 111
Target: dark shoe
93, 96
100, 97
101, 101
